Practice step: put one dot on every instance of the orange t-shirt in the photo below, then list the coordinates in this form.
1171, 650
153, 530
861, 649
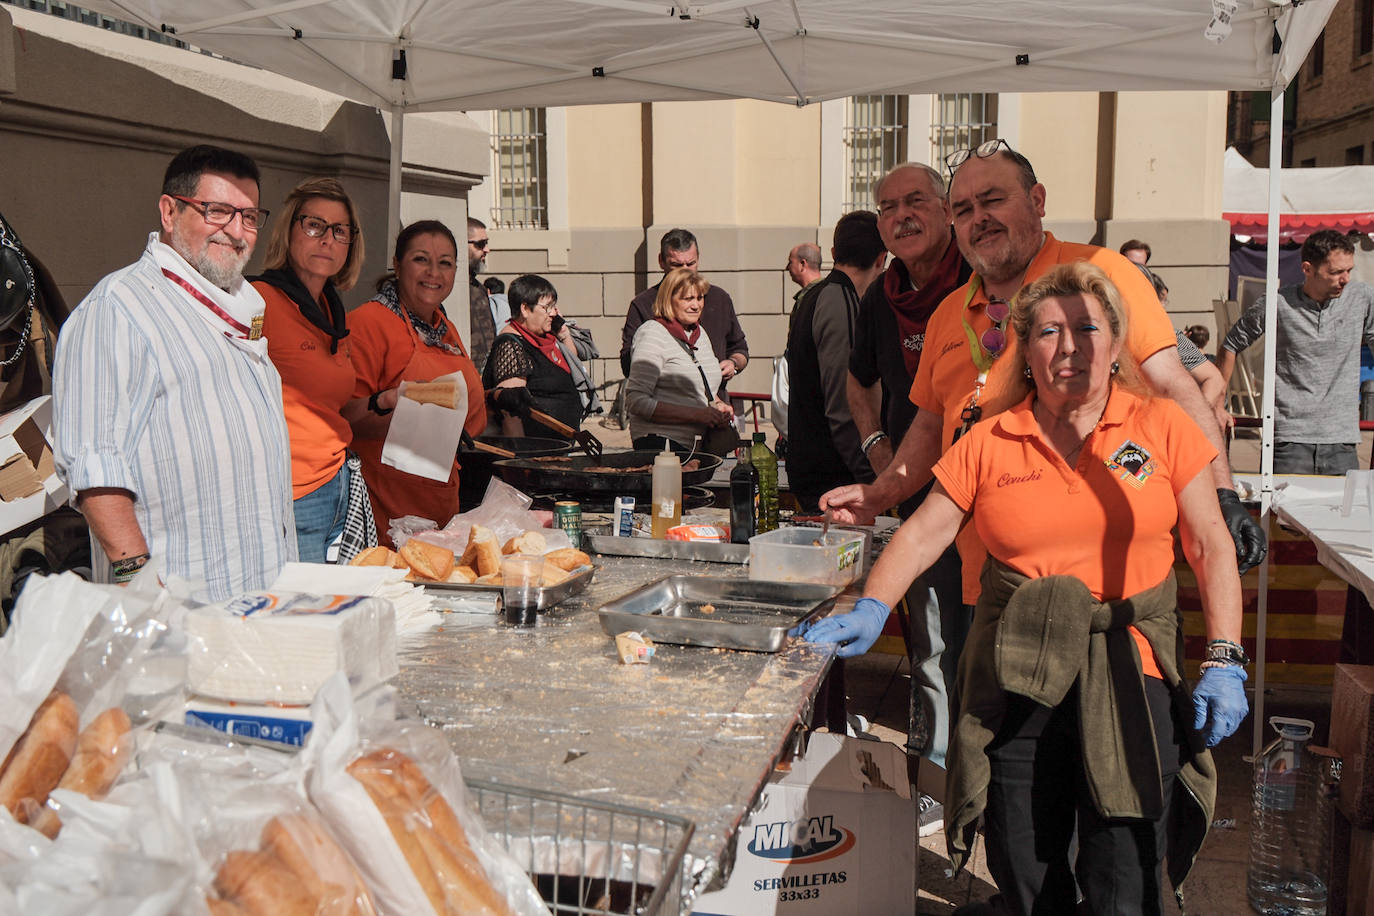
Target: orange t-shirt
1108, 520
945, 377
315, 385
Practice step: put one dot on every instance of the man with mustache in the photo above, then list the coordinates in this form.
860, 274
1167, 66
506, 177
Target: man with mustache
889, 337
998, 207
168, 413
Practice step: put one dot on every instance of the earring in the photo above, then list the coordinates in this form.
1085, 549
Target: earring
1116, 367
1029, 377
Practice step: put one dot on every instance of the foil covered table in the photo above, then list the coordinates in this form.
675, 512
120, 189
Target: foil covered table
693, 734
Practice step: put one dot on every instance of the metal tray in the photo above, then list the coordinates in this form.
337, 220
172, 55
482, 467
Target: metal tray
545, 597
750, 614
706, 551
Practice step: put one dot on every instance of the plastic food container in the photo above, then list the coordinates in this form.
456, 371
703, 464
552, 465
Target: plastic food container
807, 555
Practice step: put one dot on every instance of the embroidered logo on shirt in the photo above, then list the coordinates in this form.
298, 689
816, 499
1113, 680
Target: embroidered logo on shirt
1134, 463
1007, 480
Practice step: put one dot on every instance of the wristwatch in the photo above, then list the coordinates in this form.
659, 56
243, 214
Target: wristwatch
1226, 652
372, 405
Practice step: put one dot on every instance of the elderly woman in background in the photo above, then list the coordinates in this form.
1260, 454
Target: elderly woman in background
316, 250
670, 393
527, 367
1070, 683
404, 335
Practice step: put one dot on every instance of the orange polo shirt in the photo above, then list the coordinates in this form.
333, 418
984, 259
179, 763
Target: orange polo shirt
945, 377
1108, 520
315, 385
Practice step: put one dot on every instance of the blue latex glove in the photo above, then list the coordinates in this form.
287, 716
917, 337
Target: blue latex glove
1219, 704
856, 632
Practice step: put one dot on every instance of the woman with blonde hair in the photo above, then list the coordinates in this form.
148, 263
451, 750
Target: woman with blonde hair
316, 251
1074, 720
670, 392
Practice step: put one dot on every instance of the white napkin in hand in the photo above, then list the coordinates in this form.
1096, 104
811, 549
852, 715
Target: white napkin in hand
423, 438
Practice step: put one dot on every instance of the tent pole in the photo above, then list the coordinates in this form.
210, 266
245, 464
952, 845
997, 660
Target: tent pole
393, 200
1271, 310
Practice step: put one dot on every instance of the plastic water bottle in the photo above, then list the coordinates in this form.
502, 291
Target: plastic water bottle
767, 463
1287, 837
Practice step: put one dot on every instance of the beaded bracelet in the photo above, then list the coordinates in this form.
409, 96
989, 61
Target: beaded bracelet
1219, 663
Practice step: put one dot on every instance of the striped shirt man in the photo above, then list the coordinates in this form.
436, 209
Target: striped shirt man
153, 394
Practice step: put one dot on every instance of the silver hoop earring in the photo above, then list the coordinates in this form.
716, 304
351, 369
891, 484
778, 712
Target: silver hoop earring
1116, 367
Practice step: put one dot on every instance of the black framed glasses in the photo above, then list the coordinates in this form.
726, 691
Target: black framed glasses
315, 227
216, 213
982, 151
479, 244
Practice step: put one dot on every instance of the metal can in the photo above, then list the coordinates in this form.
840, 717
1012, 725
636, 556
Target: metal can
623, 522
567, 515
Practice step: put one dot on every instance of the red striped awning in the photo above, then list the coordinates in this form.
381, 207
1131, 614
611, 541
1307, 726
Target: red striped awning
1296, 227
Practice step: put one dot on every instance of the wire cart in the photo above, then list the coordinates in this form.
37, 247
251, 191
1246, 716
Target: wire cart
590, 858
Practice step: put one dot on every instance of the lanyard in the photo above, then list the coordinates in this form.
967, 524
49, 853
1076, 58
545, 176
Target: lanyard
982, 359
245, 332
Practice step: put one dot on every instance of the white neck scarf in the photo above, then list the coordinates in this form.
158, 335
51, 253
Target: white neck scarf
242, 303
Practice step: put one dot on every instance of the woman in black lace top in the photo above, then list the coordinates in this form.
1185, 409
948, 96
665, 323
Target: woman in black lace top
527, 368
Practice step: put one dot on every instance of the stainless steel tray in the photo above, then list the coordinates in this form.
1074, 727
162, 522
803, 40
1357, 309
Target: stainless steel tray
750, 614
545, 597
707, 551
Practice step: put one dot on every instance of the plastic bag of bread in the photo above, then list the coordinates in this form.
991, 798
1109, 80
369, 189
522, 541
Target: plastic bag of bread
89, 649
393, 795
504, 511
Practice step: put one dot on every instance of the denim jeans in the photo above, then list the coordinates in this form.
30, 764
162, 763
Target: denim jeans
1329, 459
939, 624
320, 518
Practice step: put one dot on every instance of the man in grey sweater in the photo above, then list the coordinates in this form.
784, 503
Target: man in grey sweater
1322, 324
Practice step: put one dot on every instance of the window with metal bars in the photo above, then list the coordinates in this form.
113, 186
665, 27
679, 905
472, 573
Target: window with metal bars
961, 120
99, 20
875, 137
520, 165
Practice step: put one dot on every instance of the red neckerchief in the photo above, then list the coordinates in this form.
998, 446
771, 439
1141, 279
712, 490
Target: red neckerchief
244, 332
675, 328
544, 343
913, 307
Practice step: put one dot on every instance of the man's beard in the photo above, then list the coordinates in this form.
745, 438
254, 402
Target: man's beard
220, 274
475, 266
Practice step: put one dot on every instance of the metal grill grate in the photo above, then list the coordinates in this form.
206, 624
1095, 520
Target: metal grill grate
520, 163
875, 136
590, 858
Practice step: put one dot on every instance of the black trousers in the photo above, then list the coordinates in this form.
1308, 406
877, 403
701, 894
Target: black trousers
1038, 801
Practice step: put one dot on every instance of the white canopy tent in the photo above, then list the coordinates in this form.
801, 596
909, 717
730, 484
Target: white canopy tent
432, 55
1332, 198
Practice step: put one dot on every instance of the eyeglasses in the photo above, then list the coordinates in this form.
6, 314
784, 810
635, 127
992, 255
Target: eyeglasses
315, 228
994, 339
982, 151
479, 244
220, 214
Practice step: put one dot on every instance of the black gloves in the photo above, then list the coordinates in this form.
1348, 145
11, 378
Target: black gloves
1245, 531
518, 401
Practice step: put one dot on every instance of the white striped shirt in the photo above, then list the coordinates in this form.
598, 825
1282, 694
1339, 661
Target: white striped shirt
151, 396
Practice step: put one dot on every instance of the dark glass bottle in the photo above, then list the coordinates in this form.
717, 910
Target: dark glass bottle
744, 498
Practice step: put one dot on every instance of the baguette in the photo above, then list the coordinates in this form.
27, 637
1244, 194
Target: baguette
323, 868
378, 556
464, 574
483, 553
428, 834
260, 885
552, 575
568, 558
40, 757
445, 394
102, 750
429, 561
531, 542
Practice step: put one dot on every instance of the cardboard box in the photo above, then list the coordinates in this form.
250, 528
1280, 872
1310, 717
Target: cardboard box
836, 834
1352, 736
282, 724
1359, 899
29, 486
